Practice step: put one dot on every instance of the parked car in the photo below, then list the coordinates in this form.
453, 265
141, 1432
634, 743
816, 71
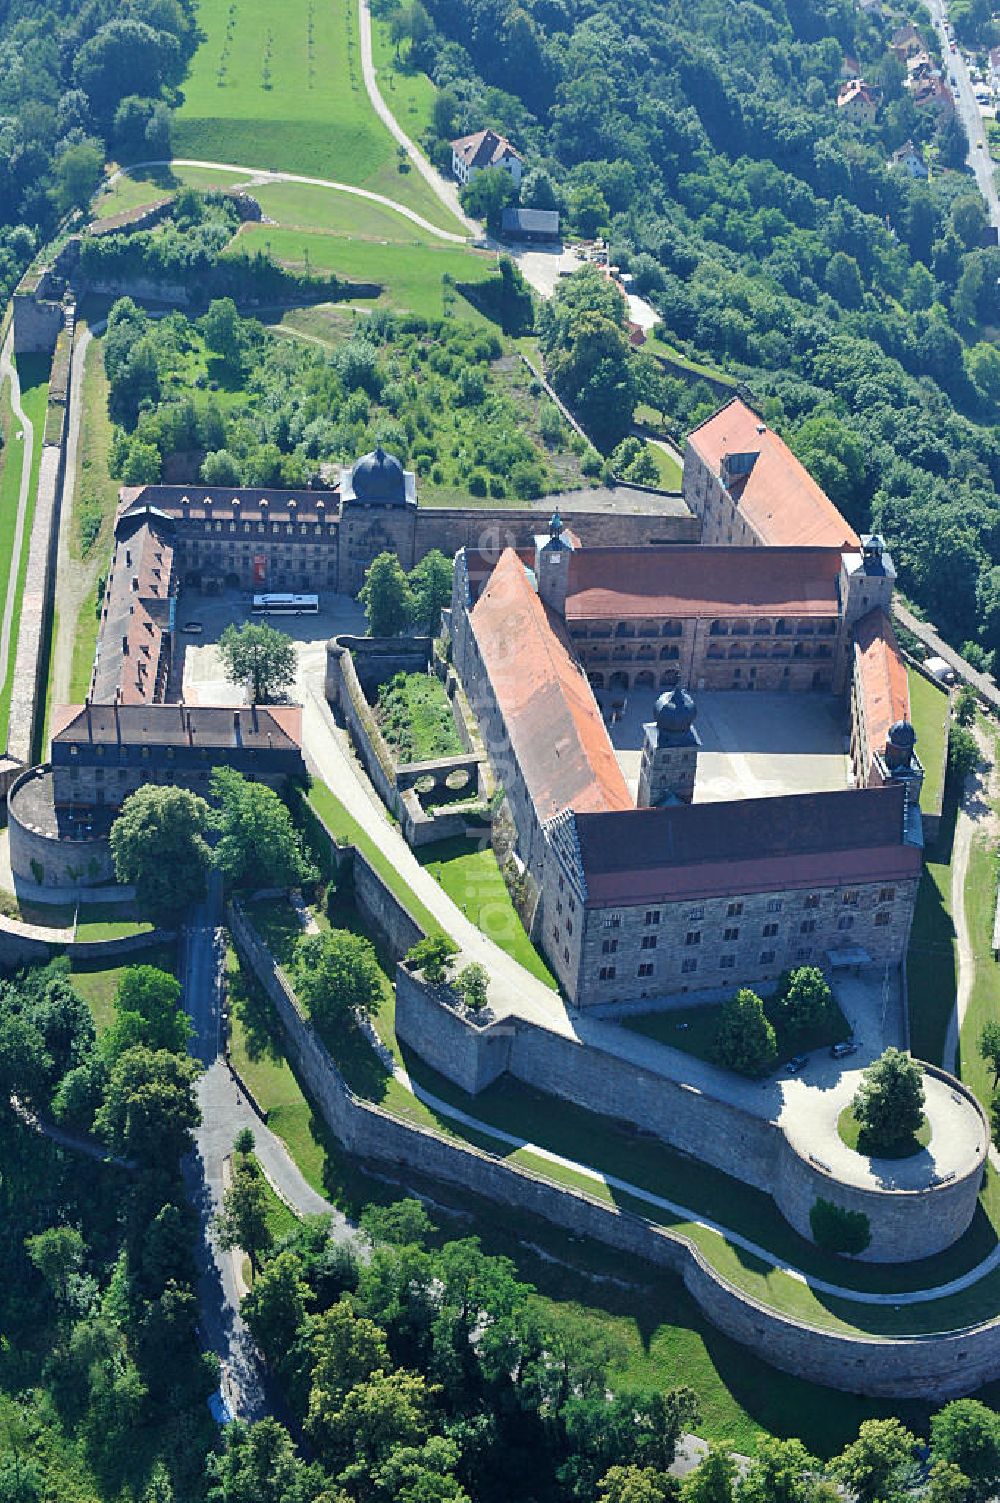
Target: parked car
193, 628
843, 1049
796, 1063
942, 671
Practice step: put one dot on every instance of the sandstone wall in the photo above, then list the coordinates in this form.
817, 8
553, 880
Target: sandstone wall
932, 1367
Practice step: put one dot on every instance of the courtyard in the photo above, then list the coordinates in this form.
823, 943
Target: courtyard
752, 745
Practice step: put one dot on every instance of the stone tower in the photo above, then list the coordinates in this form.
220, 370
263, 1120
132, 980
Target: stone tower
553, 552
669, 752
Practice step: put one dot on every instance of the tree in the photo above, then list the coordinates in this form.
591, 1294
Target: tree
964, 705
338, 977
242, 1222
432, 956
244, 1141
219, 467
946, 1484
637, 1484
712, 1479
147, 1011
989, 1048
834, 455
969, 219
403, 1223
430, 590
385, 596
472, 984
275, 1308
158, 845
375, 1418
487, 194
838, 1229
782, 1471
58, 1254
591, 370
258, 1464
258, 840
745, 1040
966, 1433
803, 999
878, 1467
77, 173
149, 1109
983, 365
223, 330
260, 657
843, 280
963, 752
588, 209
889, 1102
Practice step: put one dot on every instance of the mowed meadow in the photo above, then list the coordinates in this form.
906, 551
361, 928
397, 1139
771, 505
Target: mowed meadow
281, 88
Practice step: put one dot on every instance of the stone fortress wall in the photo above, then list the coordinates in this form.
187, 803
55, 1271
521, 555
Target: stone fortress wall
933, 1367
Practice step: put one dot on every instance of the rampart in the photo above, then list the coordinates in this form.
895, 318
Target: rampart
932, 1367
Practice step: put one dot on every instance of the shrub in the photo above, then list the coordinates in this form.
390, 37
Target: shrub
477, 483
965, 704
432, 957
498, 489
838, 1229
591, 463
472, 984
527, 480
963, 753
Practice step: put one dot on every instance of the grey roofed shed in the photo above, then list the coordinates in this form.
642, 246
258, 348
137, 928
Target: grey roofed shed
542, 224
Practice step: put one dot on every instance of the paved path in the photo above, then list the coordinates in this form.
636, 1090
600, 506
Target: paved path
444, 188
19, 420
927, 633
265, 175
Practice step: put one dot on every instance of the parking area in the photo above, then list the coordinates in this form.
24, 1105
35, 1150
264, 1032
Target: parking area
197, 664
752, 745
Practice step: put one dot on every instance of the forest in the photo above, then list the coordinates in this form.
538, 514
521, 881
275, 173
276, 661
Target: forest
79, 80
856, 304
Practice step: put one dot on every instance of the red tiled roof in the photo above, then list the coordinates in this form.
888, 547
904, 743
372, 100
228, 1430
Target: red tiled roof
675, 580
548, 707
751, 845
484, 148
882, 678
779, 498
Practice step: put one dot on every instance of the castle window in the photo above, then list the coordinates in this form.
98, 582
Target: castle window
612, 921
559, 905
727, 962
652, 916
688, 966
803, 952
808, 926
569, 926
850, 897
572, 905
774, 905
731, 934
887, 895
609, 947
695, 915
883, 918
649, 941
846, 922
734, 910
693, 937
606, 973
556, 935
812, 900
645, 970
562, 884
769, 931
766, 957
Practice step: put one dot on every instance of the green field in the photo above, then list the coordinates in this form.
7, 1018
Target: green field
410, 275
408, 92
694, 1030
671, 473
283, 91
984, 999
414, 715
33, 371
142, 186
468, 872
98, 983
929, 714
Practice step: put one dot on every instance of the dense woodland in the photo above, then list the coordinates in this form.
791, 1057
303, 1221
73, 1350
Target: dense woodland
857, 304
78, 79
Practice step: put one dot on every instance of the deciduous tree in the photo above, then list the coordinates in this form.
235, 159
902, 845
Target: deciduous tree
889, 1102
258, 839
158, 844
260, 657
385, 596
338, 976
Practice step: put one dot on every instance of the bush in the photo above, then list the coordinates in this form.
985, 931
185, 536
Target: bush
477, 483
838, 1230
965, 704
963, 753
527, 480
472, 984
432, 957
591, 463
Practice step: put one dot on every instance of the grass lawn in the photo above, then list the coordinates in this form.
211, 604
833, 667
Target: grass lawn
469, 874
344, 827
410, 275
980, 898
853, 1134
284, 91
929, 714
414, 715
308, 207
671, 473
931, 963
693, 1029
33, 371
409, 93
98, 983
659, 346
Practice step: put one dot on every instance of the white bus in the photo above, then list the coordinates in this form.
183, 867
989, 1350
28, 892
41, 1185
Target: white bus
285, 605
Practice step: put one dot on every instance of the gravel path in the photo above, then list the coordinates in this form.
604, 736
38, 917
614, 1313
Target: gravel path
975, 817
8, 371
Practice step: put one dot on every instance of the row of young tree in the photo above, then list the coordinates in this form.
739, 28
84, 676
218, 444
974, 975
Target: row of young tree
775, 239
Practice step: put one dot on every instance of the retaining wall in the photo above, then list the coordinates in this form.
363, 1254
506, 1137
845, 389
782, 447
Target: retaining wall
28, 944
933, 1367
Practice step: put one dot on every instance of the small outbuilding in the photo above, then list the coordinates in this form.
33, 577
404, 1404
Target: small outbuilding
530, 224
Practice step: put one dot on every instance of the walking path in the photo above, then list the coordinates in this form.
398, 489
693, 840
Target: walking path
975, 817
445, 190
265, 175
927, 634
8, 372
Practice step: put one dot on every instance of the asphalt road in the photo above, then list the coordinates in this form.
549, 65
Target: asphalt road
968, 112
